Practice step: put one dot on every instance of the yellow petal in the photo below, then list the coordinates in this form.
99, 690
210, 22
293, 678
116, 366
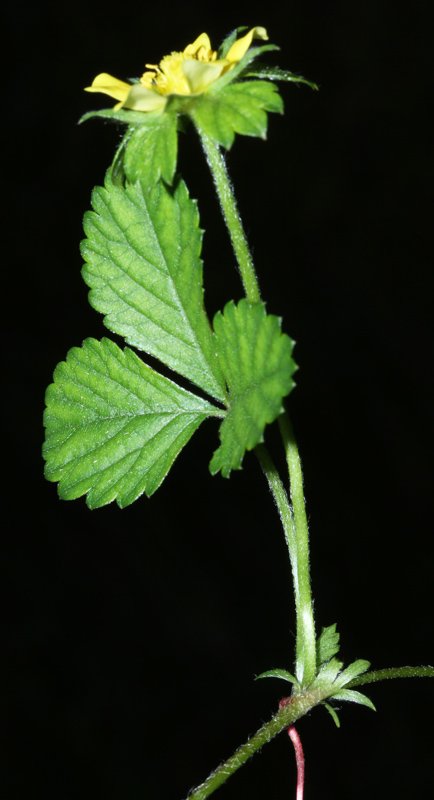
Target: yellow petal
200, 74
240, 47
107, 84
142, 99
201, 41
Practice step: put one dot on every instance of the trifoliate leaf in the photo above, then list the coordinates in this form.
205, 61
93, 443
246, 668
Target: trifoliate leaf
354, 697
328, 644
256, 361
353, 671
333, 713
283, 674
238, 108
151, 151
143, 266
114, 426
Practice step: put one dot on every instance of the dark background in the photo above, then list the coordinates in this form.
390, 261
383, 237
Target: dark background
131, 638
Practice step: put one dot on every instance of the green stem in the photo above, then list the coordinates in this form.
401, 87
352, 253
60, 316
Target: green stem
285, 513
392, 672
296, 529
306, 640
228, 203
297, 707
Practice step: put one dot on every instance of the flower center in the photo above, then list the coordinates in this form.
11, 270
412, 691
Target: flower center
168, 77
189, 72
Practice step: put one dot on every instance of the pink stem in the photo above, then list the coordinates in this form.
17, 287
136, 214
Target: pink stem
299, 754
299, 760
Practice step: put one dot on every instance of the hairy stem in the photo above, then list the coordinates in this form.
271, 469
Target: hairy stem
392, 672
290, 710
285, 513
289, 713
295, 526
228, 204
294, 523
306, 640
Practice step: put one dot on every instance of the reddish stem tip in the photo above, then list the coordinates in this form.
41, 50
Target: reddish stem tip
299, 754
299, 760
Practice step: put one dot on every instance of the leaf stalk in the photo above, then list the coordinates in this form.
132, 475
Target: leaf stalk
306, 639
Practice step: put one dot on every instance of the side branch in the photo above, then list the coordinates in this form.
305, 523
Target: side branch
390, 673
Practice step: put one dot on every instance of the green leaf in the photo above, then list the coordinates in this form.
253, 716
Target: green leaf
333, 713
151, 151
332, 677
351, 696
353, 671
114, 426
327, 644
238, 108
282, 674
143, 266
277, 74
328, 673
256, 361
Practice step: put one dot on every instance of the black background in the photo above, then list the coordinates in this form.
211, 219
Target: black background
131, 638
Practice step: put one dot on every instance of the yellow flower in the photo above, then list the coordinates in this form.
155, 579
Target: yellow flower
188, 73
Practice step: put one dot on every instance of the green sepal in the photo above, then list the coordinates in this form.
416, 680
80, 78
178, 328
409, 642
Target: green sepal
113, 425
123, 115
240, 69
350, 696
333, 713
238, 108
256, 361
327, 644
149, 148
282, 674
229, 40
277, 74
151, 151
143, 267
